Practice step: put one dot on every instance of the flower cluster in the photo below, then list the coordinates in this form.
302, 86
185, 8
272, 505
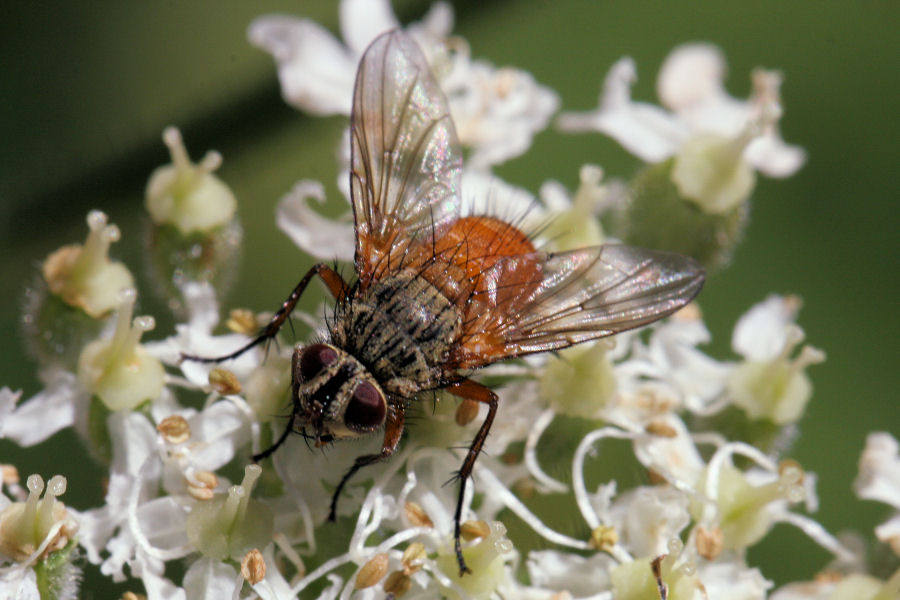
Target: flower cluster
708, 437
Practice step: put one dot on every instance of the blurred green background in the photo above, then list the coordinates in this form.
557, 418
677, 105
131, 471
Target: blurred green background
88, 87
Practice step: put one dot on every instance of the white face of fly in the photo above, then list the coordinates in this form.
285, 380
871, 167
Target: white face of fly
336, 395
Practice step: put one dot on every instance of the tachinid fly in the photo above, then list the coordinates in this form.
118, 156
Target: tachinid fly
438, 295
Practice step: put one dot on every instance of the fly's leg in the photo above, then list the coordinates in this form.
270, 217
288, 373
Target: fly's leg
333, 281
393, 431
470, 390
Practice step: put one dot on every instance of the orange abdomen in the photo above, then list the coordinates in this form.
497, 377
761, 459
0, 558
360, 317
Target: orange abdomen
473, 246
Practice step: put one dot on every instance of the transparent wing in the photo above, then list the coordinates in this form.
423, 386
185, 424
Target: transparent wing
405, 155
574, 297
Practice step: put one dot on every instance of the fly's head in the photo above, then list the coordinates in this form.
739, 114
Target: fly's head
334, 395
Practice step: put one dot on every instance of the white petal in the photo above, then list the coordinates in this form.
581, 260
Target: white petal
652, 517
575, 574
364, 20
645, 130
217, 433
437, 24
497, 112
202, 306
889, 532
210, 579
762, 332
44, 414
151, 572
691, 75
321, 237
486, 194
316, 72
879, 470
690, 84
734, 581
8, 400
274, 586
676, 456
19, 584
772, 156
163, 521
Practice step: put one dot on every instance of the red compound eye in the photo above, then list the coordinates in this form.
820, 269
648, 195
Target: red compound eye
315, 358
366, 409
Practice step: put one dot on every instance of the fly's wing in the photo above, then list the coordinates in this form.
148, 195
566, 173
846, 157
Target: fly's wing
405, 155
573, 297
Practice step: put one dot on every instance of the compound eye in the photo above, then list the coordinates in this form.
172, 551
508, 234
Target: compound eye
366, 409
315, 358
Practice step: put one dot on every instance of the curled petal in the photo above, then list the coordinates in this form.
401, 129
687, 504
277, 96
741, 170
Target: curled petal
364, 20
772, 156
762, 332
691, 75
313, 233
645, 130
879, 470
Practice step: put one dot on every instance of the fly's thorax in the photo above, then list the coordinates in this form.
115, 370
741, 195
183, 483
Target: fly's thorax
334, 394
402, 328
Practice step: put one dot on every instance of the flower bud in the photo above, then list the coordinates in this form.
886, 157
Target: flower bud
578, 226
187, 195
118, 370
637, 580
659, 216
229, 525
579, 381
268, 388
83, 285
195, 236
776, 389
42, 525
743, 509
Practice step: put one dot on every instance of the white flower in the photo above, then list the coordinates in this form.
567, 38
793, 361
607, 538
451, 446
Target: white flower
42, 415
195, 338
772, 383
560, 571
690, 85
671, 357
879, 479
496, 111
650, 516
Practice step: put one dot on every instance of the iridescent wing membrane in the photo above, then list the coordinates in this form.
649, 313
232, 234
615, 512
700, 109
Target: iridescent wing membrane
405, 155
405, 170
576, 296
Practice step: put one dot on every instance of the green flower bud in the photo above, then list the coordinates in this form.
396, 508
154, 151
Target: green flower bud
636, 580
43, 525
776, 389
25, 525
744, 515
196, 236
578, 381
578, 226
268, 388
118, 370
229, 525
187, 195
658, 216
83, 285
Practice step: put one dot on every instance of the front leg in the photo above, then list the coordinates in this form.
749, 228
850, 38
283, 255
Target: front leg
393, 431
470, 390
333, 281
